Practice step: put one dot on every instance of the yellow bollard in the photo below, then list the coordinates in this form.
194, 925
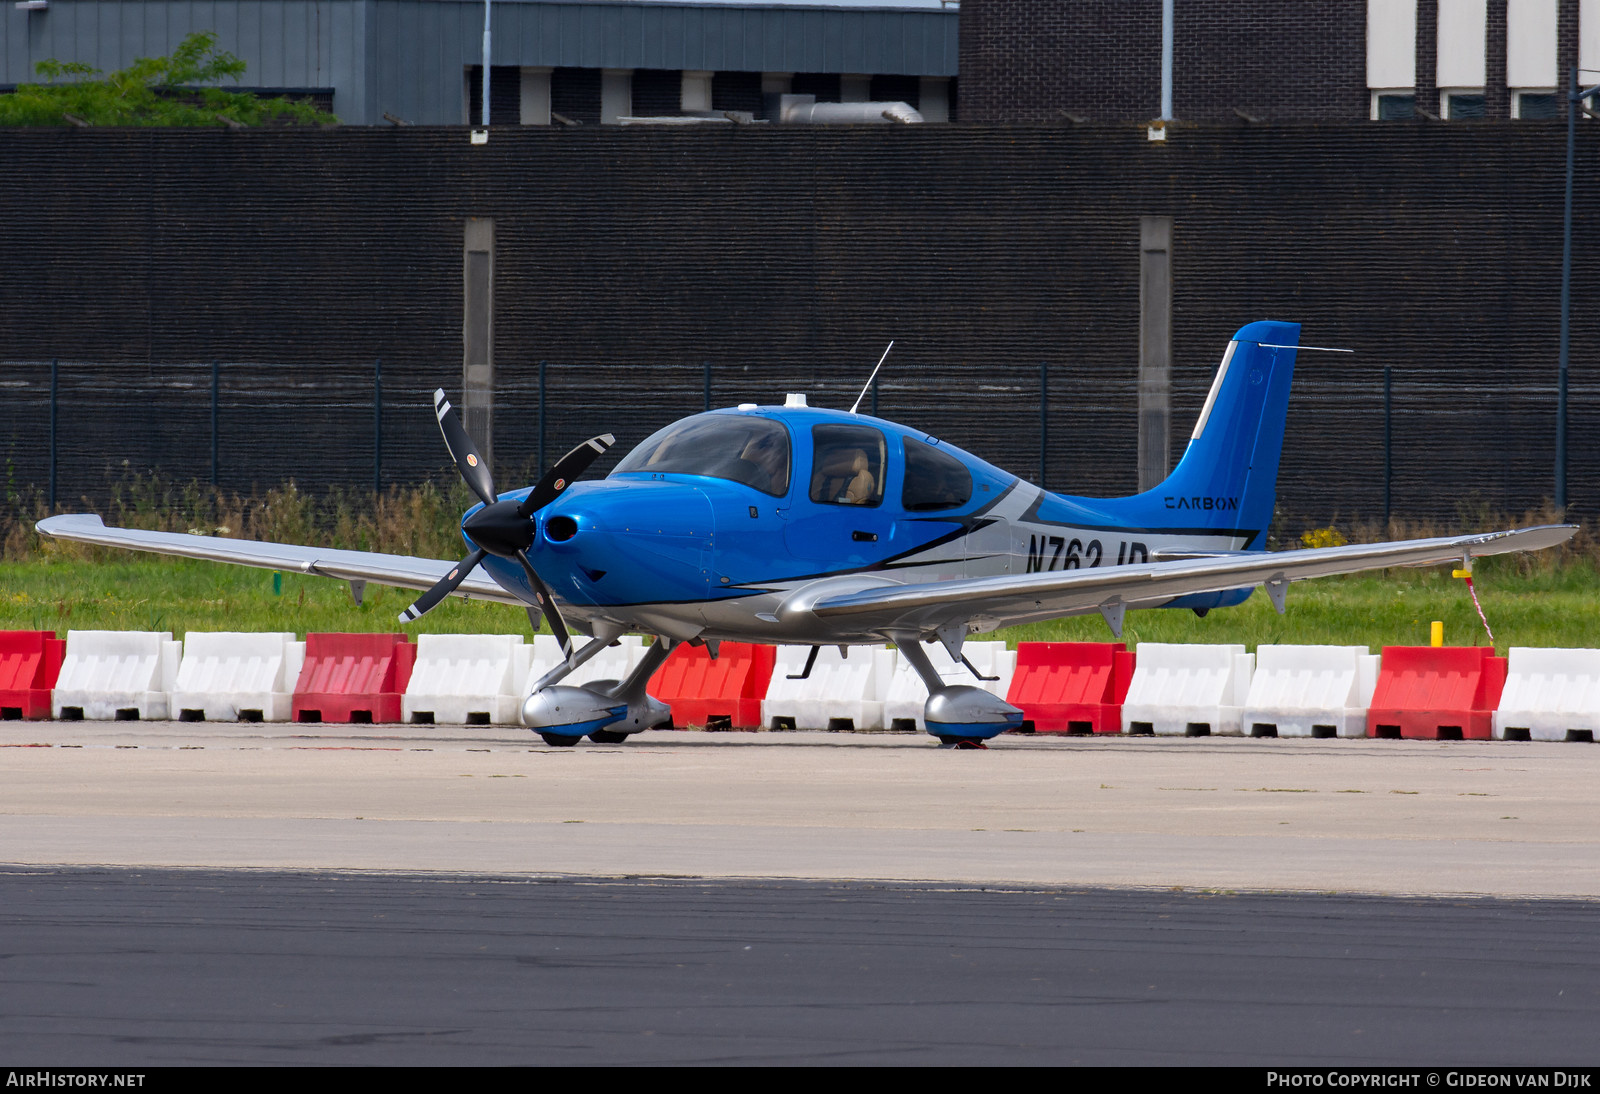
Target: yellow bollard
1436, 633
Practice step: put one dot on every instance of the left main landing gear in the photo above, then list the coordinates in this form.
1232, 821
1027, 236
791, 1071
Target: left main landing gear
605, 711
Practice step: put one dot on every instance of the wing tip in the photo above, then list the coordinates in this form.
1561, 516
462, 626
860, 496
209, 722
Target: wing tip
59, 523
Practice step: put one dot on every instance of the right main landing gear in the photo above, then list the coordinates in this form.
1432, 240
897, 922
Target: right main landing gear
958, 715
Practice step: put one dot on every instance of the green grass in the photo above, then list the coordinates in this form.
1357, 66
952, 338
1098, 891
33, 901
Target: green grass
1393, 608
180, 595
1548, 598
70, 589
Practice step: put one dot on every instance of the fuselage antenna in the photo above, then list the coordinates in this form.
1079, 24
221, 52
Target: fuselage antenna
873, 377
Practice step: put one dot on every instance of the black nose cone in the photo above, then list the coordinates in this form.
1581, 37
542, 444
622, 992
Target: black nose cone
499, 530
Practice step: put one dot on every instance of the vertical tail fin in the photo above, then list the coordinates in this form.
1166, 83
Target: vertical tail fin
1228, 476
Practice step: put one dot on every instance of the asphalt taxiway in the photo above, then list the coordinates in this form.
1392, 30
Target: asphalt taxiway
1386, 817
189, 892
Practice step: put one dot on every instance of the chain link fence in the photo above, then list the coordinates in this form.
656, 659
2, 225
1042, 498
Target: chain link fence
1357, 448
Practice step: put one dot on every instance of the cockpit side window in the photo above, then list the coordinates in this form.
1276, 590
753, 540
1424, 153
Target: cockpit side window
934, 479
847, 464
742, 448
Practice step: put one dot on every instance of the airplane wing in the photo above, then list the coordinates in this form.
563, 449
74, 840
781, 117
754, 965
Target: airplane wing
401, 571
990, 602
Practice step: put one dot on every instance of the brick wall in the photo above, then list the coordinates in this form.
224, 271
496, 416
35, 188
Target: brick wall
1023, 60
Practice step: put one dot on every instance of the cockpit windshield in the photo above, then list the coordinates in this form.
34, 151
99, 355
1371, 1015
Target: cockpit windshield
739, 447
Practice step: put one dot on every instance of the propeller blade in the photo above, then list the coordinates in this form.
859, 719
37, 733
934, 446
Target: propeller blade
567, 468
443, 588
541, 592
463, 451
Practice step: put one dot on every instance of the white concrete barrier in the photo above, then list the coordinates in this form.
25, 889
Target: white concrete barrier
1310, 691
612, 663
1550, 694
466, 679
842, 688
1187, 690
907, 695
232, 676
110, 675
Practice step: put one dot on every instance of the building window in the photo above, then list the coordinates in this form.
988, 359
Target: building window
575, 93
1538, 105
657, 93
505, 94
736, 91
855, 88
824, 85
1393, 106
896, 89
1462, 105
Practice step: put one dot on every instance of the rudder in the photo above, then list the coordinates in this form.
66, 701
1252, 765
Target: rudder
1228, 476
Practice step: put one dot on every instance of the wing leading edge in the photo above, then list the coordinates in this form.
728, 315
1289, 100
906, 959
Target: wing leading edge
401, 571
991, 602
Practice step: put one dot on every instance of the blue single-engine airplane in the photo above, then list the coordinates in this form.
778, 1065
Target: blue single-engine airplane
797, 525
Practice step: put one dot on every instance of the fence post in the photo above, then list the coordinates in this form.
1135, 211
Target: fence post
216, 383
707, 366
1388, 443
55, 391
377, 427
541, 419
1563, 358
1044, 418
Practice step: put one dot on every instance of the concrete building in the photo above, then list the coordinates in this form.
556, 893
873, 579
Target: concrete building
1275, 60
586, 61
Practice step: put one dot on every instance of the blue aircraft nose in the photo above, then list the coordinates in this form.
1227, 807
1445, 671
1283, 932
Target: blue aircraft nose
624, 543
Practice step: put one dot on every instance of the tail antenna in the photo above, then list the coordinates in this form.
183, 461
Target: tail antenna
873, 377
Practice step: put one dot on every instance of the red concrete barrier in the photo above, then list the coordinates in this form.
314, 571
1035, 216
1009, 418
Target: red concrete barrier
30, 661
353, 678
1072, 687
727, 691
1437, 693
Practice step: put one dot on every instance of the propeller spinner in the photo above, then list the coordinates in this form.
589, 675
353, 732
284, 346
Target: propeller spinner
506, 528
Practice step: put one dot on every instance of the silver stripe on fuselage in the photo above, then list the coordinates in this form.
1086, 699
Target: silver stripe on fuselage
1004, 542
